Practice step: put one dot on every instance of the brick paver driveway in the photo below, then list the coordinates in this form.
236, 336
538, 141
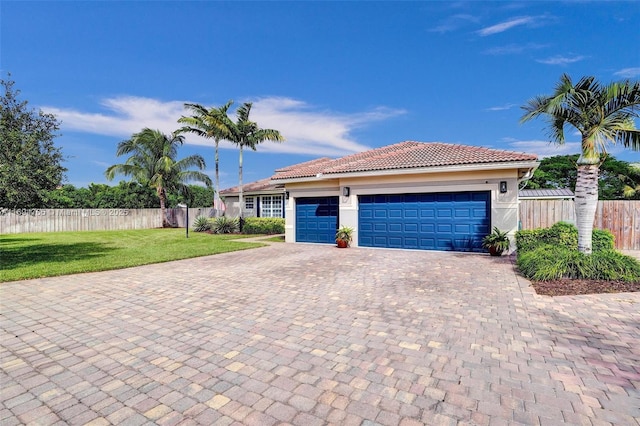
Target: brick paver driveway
306, 335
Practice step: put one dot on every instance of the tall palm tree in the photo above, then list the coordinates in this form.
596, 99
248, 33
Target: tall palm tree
208, 123
602, 114
245, 133
153, 162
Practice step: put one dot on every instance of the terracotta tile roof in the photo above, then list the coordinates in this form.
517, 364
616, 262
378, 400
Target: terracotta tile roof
313, 166
257, 186
404, 155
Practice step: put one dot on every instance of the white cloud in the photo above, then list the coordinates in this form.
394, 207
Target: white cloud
513, 49
628, 72
501, 107
506, 25
124, 116
453, 22
306, 129
543, 148
561, 60
309, 131
101, 163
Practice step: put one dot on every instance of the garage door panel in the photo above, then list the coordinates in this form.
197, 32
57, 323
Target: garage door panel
444, 213
462, 228
463, 213
431, 221
427, 228
394, 227
410, 227
395, 214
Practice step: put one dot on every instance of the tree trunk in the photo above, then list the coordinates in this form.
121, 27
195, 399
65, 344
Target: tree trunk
217, 160
163, 207
586, 203
240, 183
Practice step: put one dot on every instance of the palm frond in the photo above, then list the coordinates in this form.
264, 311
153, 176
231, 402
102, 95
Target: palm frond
602, 114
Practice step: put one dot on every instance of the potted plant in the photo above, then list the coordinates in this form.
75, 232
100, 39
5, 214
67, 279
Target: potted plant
344, 235
496, 242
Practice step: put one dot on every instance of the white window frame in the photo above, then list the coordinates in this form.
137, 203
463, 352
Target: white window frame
249, 203
272, 205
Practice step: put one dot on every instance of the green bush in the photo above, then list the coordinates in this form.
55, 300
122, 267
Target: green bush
561, 234
263, 225
201, 224
225, 225
549, 262
603, 240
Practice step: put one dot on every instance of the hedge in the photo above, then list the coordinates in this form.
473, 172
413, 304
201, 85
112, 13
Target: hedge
263, 225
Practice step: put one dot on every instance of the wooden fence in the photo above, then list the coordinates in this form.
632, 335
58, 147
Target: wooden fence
16, 221
622, 218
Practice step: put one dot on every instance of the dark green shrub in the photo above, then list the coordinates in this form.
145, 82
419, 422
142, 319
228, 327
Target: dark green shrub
201, 224
549, 262
528, 239
561, 234
225, 225
263, 225
603, 240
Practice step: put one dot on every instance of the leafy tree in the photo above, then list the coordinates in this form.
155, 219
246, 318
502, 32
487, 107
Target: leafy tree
602, 114
631, 188
198, 196
616, 177
126, 195
208, 124
69, 197
30, 163
152, 162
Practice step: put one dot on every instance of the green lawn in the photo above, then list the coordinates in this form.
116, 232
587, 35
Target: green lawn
25, 256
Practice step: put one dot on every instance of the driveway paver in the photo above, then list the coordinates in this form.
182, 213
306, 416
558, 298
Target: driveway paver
312, 334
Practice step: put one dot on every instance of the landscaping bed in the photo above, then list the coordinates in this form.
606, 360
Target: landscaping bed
550, 259
572, 287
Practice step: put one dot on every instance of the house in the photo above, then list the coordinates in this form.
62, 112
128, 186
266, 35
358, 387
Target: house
546, 194
412, 195
262, 198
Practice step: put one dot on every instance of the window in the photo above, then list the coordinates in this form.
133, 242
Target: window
271, 206
248, 203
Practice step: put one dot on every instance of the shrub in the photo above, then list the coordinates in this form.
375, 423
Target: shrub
549, 262
561, 234
263, 225
603, 240
225, 225
528, 239
201, 224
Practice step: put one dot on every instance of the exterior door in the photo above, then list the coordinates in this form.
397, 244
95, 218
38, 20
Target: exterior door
316, 219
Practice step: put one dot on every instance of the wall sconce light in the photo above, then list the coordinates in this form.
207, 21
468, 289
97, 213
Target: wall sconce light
286, 195
503, 186
346, 191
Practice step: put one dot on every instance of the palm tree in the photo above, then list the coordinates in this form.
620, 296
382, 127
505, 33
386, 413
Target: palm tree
153, 162
602, 114
245, 133
208, 123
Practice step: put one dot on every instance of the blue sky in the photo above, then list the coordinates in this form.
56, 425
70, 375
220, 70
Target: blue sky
333, 77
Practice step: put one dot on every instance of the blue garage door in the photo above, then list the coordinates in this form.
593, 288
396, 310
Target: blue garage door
316, 219
454, 221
